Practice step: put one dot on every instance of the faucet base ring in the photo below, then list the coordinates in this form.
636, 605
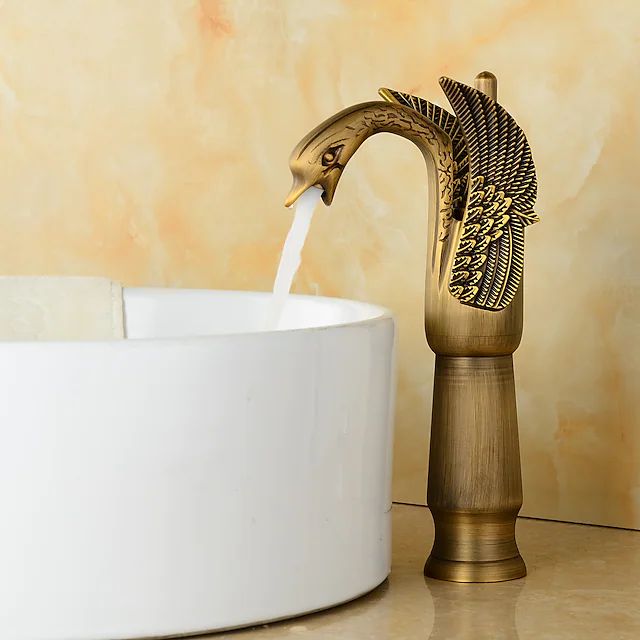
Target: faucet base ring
474, 547
468, 571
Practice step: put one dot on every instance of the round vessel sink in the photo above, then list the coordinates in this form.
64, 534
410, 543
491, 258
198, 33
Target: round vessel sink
201, 475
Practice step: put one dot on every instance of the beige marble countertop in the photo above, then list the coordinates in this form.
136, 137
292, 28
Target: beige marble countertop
583, 582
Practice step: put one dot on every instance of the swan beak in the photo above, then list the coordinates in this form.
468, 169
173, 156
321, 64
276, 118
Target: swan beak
298, 187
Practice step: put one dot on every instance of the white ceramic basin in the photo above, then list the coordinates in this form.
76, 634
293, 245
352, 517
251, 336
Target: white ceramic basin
201, 475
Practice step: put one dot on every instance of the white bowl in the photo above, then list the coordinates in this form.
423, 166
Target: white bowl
201, 475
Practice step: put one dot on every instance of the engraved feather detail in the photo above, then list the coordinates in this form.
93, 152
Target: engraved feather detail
494, 193
450, 125
501, 193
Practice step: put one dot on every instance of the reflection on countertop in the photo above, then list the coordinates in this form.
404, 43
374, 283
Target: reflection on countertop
583, 582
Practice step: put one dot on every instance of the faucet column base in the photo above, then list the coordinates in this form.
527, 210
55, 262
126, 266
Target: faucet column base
475, 487
474, 547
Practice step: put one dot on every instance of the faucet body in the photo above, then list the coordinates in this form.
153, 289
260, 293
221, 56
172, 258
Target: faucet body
474, 485
474, 488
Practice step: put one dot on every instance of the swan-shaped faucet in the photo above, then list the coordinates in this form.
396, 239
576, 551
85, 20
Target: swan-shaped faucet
482, 189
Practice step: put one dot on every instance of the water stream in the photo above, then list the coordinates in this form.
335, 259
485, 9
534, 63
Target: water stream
291, 254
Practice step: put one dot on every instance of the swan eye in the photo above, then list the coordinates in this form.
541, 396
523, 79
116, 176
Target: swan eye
330, 156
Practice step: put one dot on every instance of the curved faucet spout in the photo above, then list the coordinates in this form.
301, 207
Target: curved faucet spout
321, 156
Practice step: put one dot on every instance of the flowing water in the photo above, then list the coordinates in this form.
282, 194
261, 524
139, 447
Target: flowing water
291, 254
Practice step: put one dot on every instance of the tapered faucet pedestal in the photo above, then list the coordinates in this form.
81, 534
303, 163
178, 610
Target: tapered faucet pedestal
475, 487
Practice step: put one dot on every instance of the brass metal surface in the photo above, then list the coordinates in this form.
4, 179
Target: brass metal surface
487, 83
474, 489
482, 188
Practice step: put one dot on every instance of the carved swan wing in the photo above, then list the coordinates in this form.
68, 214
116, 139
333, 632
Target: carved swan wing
502, 188
494, 193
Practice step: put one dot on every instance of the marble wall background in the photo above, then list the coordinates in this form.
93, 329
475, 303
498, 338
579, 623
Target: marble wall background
147, 140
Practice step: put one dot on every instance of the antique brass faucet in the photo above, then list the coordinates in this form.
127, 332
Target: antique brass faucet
482, 188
